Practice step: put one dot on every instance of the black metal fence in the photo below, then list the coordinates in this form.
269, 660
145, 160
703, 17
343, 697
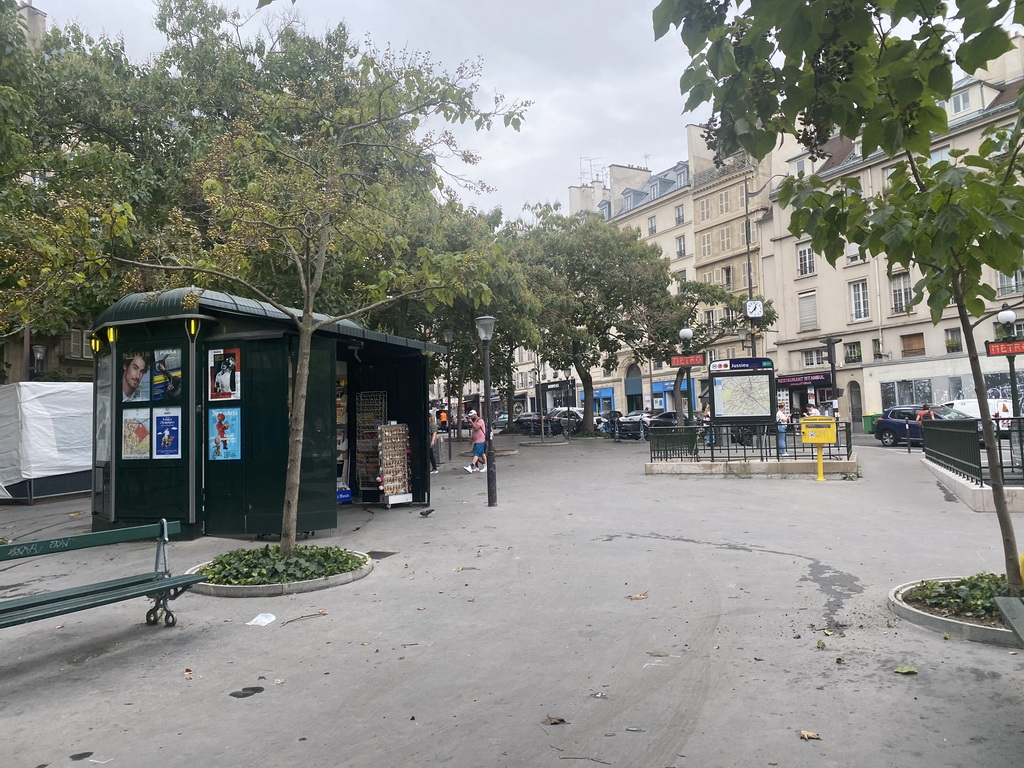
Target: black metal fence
956, 444
743, 442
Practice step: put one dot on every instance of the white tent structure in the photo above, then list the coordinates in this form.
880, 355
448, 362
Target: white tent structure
45, 438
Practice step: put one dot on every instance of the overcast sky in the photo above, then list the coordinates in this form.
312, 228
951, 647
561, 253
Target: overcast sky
604, 91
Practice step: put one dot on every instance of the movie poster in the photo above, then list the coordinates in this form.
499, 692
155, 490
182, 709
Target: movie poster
225, 374
135, 433
167, 433
224, 434
135, 376
167, 375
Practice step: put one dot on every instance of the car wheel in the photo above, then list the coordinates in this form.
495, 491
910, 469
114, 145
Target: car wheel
888, 438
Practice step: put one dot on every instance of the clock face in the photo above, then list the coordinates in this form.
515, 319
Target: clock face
755, 308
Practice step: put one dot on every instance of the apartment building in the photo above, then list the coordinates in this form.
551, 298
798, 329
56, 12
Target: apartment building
889, 354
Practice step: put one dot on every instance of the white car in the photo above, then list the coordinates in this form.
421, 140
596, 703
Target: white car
1000, 409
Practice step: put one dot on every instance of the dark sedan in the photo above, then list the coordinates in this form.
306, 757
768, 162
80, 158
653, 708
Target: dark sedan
899, 424
530, 422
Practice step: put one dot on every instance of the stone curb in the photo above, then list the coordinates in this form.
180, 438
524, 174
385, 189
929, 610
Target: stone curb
275, 590
962, 630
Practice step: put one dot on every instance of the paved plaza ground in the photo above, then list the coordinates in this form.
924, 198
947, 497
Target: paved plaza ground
506, 636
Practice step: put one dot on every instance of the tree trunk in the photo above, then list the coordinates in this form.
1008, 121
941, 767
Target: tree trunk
300, 385
1012, 561
587, 382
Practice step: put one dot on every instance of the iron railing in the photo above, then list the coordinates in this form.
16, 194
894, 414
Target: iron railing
956, 445
743, 442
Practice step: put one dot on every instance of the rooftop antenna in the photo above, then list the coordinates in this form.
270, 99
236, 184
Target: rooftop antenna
587, 170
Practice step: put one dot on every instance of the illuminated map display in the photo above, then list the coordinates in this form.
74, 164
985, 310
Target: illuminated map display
744, 396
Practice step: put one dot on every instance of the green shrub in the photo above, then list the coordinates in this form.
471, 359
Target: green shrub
266, 566
970, 596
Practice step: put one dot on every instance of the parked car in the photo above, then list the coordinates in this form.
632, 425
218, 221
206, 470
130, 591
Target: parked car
500, 422
900, 423
665, 419
531, 421
560, 417
1000, 409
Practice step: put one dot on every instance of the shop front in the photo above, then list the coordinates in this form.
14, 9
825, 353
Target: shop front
799, 392
192, 404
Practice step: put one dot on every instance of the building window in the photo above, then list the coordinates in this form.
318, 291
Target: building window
912, 344
680, 246
938, 155
876, 349
961, 102
815, 358
709, 318
804, 260
1011, 283
954, 340
859, 300
725, 238
729, 314
723, 201
712, 355
746, 274
807, 304
681, 275
749, 232
652, 225
853, 254
679, 214
799, 167
705, 244
902, 293
705, 209
683, 178
78, 346
851, 352
727, 277
705, 277
654, 192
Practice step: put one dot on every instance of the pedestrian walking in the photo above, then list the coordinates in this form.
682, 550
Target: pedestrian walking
432, 446
782, 424
479, 431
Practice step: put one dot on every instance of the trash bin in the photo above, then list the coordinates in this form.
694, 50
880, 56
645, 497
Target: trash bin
869, 422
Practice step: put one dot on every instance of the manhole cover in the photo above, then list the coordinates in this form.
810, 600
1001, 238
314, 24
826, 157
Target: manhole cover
379, 555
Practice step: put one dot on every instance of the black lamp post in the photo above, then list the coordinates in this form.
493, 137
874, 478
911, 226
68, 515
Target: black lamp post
686, 335
831, 342
448, 335
1007, 317
485, 329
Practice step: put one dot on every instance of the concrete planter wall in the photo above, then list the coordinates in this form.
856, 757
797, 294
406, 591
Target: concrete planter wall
962, 630
273, 590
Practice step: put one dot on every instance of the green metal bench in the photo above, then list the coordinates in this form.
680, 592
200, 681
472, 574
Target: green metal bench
1012, 609
159, 584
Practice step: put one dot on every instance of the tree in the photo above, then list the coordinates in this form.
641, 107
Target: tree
290, 160
813, 69
599, 288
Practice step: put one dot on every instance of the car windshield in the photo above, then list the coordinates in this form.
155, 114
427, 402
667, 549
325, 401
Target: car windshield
950, 413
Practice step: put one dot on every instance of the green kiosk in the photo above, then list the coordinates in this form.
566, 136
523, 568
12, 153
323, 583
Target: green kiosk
192, 402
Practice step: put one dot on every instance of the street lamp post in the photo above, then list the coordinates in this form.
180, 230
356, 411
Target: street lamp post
746, 237
1007, 317
686, 335
831, 342
448, 335
485, 329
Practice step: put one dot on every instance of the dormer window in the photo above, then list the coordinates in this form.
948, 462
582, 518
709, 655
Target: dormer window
961, 102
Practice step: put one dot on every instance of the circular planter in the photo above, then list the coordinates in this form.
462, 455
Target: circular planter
963, 630
273, 590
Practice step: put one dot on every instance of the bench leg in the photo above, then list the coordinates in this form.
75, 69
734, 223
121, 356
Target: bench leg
162, 598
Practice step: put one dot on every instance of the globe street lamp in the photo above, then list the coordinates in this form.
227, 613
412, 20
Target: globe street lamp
448, 335
686, 335
485, 329
1007, 317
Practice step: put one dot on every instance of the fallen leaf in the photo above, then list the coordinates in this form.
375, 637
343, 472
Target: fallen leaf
364, 643
808, 735
188, 673
555, 721
1013, 653
906, 669
840, 660
821, 645
656, 653
641, 596
421, 609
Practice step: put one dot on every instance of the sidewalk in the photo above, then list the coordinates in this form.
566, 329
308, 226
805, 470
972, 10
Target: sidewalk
481, 626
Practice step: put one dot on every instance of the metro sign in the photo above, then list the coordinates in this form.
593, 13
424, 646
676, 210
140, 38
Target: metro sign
686, 361
998, 348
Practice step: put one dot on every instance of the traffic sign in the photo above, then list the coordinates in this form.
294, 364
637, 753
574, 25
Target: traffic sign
686, 361
1000, 348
